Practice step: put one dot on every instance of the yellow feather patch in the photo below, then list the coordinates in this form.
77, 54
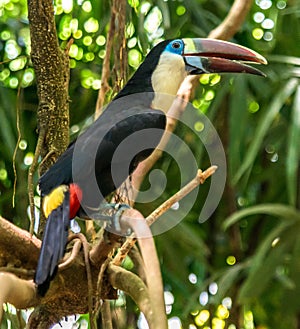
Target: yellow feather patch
54, 199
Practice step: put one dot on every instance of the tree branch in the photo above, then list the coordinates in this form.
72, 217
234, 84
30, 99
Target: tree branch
116, 42
20, 293
233, 21
51, 67
106, 315
25, 250
132, 285
136, 221
130, 241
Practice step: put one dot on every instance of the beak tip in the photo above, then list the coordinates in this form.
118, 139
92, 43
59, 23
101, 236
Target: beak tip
260, 59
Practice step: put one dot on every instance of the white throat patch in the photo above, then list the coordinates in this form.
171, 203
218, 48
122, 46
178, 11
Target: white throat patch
166, 79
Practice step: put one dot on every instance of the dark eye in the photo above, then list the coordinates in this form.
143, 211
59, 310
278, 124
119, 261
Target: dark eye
176, 45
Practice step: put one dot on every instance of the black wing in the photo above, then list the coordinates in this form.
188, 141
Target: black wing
92, 153
53, 245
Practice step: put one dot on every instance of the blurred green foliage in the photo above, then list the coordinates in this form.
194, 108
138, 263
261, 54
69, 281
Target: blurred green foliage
240, 268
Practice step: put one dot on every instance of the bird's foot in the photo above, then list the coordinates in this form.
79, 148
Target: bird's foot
111, 213
119, 208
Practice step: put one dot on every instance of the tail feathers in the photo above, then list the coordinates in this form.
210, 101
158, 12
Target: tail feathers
53, 246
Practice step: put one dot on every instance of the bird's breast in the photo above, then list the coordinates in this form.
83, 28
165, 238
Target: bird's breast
166, 80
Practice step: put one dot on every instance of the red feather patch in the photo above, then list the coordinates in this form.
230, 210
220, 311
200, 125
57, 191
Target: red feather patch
75, 199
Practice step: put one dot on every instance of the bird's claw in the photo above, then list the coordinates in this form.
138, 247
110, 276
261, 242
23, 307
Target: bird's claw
104, 213
120, 208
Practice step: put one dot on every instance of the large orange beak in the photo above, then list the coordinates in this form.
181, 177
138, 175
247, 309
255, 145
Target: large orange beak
215, 56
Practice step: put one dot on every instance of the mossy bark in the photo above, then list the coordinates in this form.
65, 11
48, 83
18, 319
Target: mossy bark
51, 66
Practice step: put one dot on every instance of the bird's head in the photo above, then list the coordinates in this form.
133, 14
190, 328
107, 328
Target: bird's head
170, 61
181, 57
214, 56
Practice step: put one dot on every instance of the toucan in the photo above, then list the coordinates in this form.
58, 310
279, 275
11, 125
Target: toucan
85, 173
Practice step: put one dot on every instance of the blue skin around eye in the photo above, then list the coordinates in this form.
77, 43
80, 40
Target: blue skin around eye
178, 50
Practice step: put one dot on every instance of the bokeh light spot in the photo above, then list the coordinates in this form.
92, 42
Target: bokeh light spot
73, 52
265, 4
213, 288
3, 174
203, 298
180, 10
199, 126
18, 64
222, 312
231, 260
87, 41
5, 35
204, 79
253, 107
193, 278
91, 25
87, 6
258, 17
209, 95
13, 82
131, 43
202, 317
267, 24
134, 58
257, 33
227, 302
281, 4
268, 36
77, 34
28, 158
100, 41
22, 144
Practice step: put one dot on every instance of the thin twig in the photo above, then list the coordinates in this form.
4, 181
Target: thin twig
101, 274
17, 145
31, 172
106, 66
199, 179
98, 304
74, 253
130, 241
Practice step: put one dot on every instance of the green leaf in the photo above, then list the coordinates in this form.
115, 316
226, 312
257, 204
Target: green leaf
227, 280
264, 125
264, 268
293, 151
291, 296
238, 120
284, 59
278, 210
166, 13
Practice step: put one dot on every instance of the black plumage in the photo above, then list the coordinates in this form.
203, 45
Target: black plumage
91, 155
55, 239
